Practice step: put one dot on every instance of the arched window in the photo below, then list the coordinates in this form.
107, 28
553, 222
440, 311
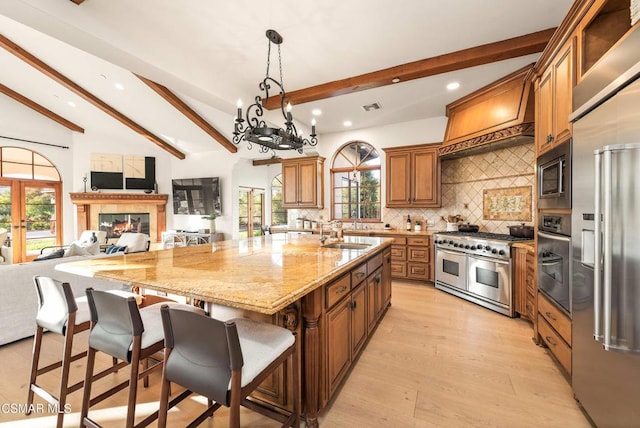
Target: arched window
278, 214
355, 182
30, 202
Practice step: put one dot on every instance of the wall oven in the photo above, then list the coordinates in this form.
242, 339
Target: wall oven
451, 268
554, 258
491, 279
554, 177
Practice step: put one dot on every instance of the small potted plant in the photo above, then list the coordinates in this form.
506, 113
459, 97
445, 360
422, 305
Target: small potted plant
417, 226
212, 221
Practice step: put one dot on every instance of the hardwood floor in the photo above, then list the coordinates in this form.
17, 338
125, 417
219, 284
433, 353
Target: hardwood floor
434, 361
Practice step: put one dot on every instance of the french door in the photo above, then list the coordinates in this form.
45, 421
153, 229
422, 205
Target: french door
31, 211
251, 212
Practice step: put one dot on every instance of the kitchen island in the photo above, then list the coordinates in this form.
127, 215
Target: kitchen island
340, 294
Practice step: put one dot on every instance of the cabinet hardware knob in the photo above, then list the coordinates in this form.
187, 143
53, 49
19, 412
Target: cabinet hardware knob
550, 316
551, 341
341, 289
353, 304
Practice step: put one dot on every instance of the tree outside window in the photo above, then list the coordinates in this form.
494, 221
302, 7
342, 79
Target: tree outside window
278, 213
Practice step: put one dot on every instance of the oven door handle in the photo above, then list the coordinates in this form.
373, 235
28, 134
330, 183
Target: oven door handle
555, 237
453, 253
487, 259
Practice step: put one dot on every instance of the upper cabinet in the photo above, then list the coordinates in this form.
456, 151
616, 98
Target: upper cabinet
604, 24
588, 32
553, 95
303, 182
413, 176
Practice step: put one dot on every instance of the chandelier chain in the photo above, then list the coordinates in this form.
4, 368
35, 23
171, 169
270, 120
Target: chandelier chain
268, 59
280, 65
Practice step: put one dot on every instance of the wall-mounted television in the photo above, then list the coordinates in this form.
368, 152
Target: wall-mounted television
196, 196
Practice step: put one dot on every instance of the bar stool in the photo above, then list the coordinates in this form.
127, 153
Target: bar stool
224, 362
61, 313
121, 330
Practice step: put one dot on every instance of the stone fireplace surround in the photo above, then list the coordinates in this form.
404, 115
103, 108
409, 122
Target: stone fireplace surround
90, 204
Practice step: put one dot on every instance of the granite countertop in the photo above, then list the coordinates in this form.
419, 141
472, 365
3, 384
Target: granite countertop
263, 274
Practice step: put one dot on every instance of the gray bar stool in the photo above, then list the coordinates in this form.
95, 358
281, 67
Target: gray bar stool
120, 329
59, 312
224, 362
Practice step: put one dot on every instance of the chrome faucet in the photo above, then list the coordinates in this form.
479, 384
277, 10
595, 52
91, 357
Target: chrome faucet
322, 237
356, 219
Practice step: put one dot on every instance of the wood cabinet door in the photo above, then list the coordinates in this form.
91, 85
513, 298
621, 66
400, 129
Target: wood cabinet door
425, 178
359, 326
371, 303
308, 184
520, 280
398, 179
544, 114
290, 184
338, 343
386, 279
564, 80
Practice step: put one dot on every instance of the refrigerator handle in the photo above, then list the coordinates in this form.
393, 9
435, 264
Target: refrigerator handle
607, 238
597, 243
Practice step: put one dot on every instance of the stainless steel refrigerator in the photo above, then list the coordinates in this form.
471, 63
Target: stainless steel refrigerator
605, 306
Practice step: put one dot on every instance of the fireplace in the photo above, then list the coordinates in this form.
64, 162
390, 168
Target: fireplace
89, 205
115, 224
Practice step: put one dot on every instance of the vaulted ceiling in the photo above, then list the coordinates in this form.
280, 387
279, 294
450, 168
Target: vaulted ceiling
194, 59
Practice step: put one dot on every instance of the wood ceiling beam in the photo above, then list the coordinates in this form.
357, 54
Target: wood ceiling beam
86, 95
471, 57
183, 108
40, 109
270, 161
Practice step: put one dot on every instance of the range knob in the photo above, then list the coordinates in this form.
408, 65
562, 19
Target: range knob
466, 246
501, 252
473, 247
494, 251
455, 245
450, 242
486, 247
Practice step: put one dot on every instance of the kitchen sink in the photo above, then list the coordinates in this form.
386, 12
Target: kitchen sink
347, 245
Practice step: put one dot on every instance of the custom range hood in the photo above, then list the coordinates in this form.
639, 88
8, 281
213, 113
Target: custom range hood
500, 114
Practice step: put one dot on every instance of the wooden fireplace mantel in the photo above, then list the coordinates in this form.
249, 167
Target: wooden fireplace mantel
84, 201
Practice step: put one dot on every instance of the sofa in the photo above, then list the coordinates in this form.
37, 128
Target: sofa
18, 299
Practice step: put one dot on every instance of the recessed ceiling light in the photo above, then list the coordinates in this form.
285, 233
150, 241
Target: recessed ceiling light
119, 86
347, 123
371, 107
453, 86
71, 103
316, 112
395, 80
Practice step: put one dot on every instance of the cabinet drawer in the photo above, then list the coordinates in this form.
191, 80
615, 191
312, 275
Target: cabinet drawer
399, 240
418, 254
558, 320
374, 263
556, 345
398, 269
424, 241
337, 290
398, 253
358, 274
418, 270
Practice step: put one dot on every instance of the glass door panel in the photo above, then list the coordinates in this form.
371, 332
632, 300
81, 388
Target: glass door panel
39, 219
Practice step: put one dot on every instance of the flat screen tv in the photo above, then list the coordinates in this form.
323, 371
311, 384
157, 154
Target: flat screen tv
196, 196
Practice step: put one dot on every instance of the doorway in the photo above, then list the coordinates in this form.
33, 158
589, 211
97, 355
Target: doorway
30, 203
251, 209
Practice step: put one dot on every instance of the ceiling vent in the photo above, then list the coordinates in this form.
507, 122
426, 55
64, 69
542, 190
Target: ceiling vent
371, 107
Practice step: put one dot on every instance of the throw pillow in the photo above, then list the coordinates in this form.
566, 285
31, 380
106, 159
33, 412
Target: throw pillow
76, 249
112, 249
52, 255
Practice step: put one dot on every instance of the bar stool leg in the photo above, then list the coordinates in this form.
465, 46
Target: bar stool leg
86, 395
66, 363
133, 382
35, 358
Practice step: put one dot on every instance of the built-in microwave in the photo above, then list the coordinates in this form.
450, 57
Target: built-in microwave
554, 177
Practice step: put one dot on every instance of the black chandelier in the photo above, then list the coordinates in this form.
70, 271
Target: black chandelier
255, 130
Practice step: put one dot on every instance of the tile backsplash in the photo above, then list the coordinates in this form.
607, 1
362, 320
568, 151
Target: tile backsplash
463, 182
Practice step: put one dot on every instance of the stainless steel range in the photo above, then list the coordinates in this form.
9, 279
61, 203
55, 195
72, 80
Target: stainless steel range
477, 267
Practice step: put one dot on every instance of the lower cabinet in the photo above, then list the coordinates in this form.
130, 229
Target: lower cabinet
525, 283
554, 330
354, 304
412, 258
